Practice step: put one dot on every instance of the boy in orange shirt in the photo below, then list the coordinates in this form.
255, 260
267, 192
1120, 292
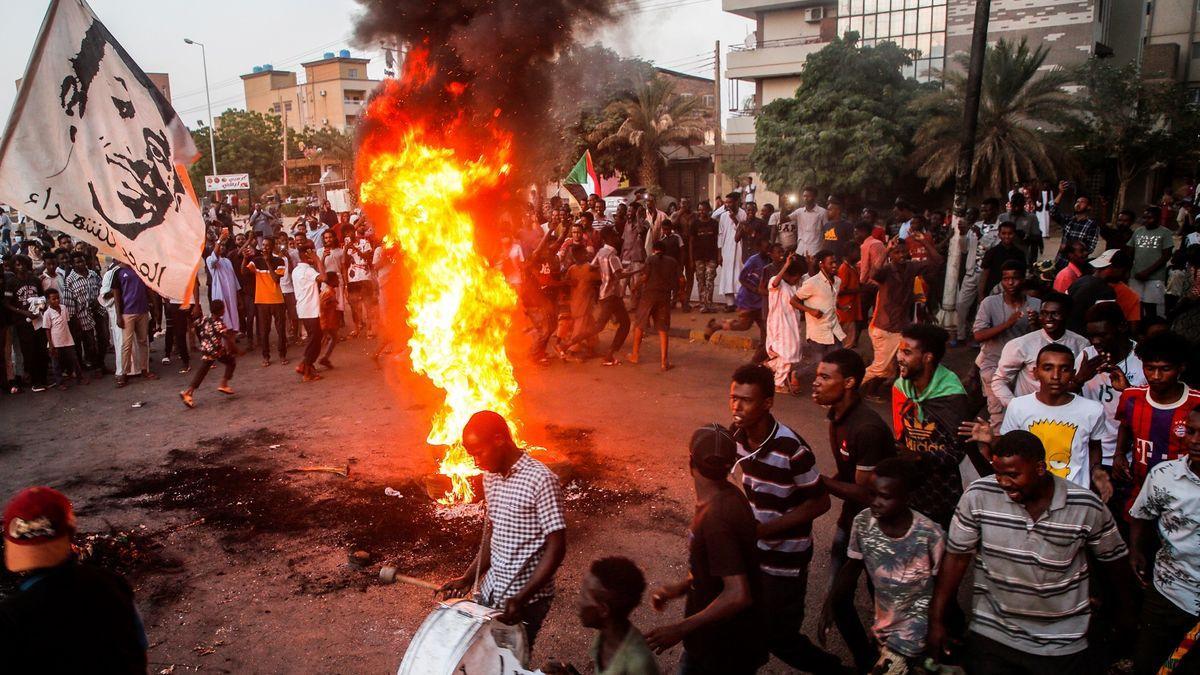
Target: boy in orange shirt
849, 298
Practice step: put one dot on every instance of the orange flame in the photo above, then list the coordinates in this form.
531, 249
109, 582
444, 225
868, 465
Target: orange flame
459, 308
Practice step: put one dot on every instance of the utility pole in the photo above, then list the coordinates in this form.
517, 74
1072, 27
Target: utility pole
285, 157
717, 116
966, 153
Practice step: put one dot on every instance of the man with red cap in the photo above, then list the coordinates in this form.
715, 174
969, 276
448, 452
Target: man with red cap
67, 616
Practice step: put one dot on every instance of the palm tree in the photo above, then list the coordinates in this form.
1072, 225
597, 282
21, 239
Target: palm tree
1019, 108
648, 118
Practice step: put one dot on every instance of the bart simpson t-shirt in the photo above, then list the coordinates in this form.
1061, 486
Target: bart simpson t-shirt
1064, 430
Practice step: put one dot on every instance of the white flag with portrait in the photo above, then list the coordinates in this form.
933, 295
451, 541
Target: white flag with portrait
94, 150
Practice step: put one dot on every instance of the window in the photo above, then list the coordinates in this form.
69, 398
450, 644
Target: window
354, 73
275, 107
1195, 50
287, 105
911, 24
709, 100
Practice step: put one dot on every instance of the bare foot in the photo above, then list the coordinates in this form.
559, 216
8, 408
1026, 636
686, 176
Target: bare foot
187, 399
632, 358
666, 366
227, 390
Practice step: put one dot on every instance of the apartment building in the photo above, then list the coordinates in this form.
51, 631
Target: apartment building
333, 94
772, 58
1171, 46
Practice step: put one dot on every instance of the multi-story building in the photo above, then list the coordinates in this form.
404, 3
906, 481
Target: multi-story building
1171, 48
789, 30
333, 93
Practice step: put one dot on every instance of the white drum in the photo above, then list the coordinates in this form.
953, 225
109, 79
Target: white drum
460, 637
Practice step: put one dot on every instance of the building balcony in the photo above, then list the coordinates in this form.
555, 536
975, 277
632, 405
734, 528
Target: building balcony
352, 106
739, 127
750, 8
771, 58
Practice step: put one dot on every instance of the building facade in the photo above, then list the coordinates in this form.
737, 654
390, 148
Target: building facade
772, 59
1171, 47
333, 94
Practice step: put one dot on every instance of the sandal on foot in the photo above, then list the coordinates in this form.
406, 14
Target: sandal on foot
228, 391
187, 399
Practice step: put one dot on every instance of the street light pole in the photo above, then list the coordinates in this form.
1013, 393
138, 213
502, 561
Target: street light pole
212, 145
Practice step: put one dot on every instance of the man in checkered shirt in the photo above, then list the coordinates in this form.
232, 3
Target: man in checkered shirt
528, 532
1077, 225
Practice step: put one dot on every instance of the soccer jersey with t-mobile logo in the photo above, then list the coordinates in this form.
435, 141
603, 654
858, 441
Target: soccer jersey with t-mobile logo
1158, 429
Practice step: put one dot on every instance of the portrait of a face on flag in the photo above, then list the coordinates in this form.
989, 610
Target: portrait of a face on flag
94, 150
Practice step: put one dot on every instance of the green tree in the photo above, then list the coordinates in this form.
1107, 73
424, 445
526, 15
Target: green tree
587, 78
1132, 124
247, 142
326, 142
842, 129
649, 118
1019, 111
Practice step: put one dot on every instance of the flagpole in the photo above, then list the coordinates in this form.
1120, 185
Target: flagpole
35, 57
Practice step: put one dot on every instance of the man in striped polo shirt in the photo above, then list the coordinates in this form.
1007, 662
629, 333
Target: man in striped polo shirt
778, 472
1030, 534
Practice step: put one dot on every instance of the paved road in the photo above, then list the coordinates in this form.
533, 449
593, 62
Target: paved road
279, 602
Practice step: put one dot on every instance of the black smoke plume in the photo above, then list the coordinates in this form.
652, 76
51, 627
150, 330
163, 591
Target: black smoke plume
501, 49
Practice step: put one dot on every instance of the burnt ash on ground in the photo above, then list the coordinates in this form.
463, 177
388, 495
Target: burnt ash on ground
237, 487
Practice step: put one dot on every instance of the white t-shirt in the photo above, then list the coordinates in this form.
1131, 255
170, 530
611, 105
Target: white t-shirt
308, 292
360, 254
285, 281
1100, 389
1065, 431
55, 323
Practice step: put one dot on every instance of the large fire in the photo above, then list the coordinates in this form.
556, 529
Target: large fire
421, 171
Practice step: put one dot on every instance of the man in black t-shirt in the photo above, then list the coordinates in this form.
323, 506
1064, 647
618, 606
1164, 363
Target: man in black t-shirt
859, 440
752, 232
722, 630
662, 277
996, 256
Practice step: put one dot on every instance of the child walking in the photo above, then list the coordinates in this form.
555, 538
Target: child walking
901, 550
56, 321
216, 344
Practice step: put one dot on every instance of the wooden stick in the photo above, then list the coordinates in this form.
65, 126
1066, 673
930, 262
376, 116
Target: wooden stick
413, 581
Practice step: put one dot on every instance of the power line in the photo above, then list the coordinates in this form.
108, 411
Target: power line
295, 58
684, 59
648, 7
687, 64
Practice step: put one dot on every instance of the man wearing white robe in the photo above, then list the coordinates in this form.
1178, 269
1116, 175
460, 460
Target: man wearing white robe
728, 217
783, 342
225, 284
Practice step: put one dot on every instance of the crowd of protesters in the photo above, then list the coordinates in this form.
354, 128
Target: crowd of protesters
1069, 453
1062, 470
260, 287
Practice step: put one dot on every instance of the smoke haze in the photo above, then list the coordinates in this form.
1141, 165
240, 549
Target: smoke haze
501, 49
